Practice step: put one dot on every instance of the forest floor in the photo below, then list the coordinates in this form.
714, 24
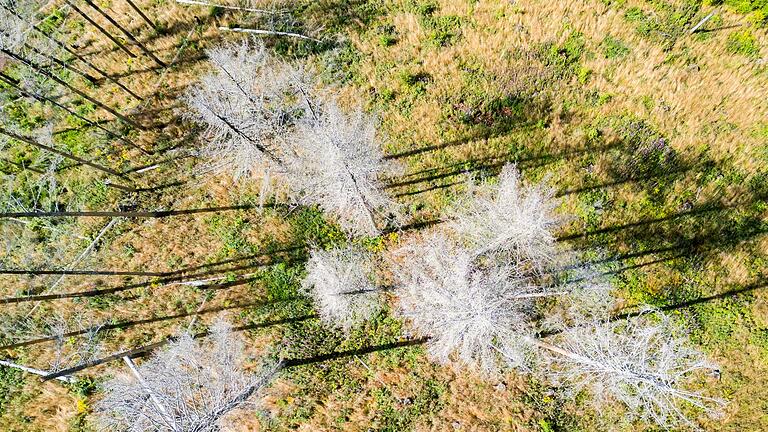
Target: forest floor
655, 139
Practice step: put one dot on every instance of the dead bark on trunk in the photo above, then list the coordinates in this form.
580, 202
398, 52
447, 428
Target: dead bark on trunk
42, 373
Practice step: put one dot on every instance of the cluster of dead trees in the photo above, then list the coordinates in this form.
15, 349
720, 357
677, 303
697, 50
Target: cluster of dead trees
487, 286
25, 41
484, 289
47, 68
266, 118
490, 290
47, 71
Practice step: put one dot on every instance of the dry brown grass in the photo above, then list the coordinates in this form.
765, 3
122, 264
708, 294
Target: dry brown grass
716, 105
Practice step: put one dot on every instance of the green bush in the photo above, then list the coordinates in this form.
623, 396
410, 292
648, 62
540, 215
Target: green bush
613, 48
443, 29
564, 58
757, 8
743, 43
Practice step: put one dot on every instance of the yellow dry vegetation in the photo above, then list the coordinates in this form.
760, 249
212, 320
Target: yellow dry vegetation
700, 96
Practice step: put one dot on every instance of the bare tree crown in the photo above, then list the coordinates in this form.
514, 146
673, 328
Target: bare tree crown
247, 103
644, 362
338, 165
189, 386
341, 282
14, 31
508, 217
477, 316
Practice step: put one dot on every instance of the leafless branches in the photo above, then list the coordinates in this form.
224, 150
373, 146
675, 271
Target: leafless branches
338, 165
263, 118
189, 386
643, 362
476, 297
341, 282
247, 104
479, 316
510, 218
479, 301
77, 350
14, 31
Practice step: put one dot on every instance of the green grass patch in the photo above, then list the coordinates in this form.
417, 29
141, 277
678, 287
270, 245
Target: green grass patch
666, 22
743, 43
26, 115
11, 382
309, 227
398, 414
441, 30
232, 233
756, 9
564, 58
281, 281
341, 65
311, 339
614, 48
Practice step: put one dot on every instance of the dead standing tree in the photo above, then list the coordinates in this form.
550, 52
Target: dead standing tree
483, 318
508, 217
342, 284
245, 104
477, 306
644, 362
338, 165
189, 386
479, 316
6, 46
262, 119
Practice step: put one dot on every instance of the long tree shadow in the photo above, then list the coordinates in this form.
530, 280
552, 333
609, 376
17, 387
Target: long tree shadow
672, 306
488, 166
146, 349
176, 29
218, 284
295, 362
121, 325
186, 270
643, 224
185, 60
693, 237
128, 213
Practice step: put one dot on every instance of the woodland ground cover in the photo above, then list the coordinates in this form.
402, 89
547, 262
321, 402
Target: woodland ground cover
654, 139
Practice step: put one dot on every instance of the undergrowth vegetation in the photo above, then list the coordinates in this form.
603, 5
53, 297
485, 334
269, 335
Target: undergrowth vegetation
651, 140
